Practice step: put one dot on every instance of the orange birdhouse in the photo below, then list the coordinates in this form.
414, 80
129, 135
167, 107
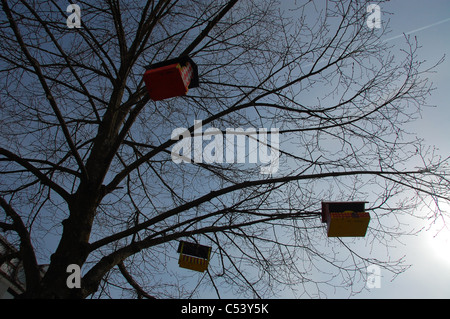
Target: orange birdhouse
171, 78
193, 256
345, 219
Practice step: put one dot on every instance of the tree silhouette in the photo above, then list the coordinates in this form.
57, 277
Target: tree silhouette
85, 154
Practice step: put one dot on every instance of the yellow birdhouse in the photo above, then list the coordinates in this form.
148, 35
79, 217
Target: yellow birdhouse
193, 256
345, 219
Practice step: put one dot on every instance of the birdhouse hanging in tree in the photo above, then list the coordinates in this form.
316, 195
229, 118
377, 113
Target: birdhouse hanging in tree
193, 256
345, 219
171, 78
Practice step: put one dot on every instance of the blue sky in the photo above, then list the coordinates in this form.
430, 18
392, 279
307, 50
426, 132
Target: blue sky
429, 275
429, 256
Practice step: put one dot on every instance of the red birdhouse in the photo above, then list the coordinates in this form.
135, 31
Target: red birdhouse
345, 219
171, 78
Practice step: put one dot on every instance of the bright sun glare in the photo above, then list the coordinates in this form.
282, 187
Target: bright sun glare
439, 240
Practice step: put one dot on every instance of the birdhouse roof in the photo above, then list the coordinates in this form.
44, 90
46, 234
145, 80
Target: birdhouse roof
183, 60
339, 207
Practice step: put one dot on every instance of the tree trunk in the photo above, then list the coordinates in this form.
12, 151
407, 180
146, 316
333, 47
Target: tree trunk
72, 249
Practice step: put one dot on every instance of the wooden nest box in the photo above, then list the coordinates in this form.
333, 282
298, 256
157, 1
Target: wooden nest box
193, 256
171, 78
345, 219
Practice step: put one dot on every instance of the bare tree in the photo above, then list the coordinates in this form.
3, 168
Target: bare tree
85, 154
